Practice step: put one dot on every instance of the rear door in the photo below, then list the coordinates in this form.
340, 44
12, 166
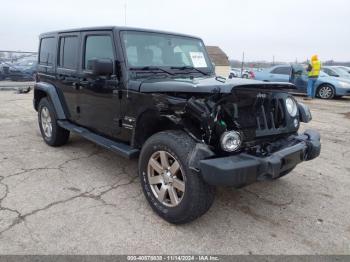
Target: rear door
99, 103
280, 74
67, 71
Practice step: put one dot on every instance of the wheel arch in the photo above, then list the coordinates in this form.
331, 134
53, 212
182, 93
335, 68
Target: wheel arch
150, 122
326, 84
48, 90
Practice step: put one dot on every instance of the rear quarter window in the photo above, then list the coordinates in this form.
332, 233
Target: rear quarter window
47, 50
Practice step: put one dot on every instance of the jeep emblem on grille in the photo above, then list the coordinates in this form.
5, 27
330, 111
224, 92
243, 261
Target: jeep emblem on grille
261, 95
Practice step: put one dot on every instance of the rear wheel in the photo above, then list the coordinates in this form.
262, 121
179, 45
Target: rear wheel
325, 91
174, 191
52, 133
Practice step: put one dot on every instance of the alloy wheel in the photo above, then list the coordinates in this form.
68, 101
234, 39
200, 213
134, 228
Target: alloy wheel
325, 92
46, 122
166, 178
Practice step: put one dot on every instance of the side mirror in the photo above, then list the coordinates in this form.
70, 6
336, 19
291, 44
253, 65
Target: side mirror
100, 67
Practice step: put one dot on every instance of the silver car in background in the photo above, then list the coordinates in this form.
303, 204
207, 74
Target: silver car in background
336, 71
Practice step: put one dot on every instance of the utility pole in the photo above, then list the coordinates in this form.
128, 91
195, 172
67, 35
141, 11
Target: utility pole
242, 64
273, 60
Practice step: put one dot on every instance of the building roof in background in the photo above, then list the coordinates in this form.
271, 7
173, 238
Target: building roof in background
217, 56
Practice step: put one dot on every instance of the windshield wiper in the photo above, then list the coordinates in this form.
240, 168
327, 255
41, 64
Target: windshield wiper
189, 68
151, 68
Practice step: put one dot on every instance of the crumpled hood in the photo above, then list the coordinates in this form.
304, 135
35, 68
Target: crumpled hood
207, 85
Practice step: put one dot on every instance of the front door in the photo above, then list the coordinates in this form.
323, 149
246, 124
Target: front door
299, 78
98, 101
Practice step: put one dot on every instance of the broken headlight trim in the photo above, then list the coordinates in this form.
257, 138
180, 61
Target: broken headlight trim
291, 106
230, 141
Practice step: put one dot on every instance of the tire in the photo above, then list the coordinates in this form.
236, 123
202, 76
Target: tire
245, 76
284, 173
195, 198
325, 91
52, 133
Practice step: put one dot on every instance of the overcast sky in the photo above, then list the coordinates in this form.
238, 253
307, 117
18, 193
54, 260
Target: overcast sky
288, 30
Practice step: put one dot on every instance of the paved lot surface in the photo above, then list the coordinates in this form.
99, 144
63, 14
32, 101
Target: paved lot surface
82, 199
10, 85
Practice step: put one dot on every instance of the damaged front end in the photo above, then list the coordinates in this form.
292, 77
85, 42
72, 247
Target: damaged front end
246, 135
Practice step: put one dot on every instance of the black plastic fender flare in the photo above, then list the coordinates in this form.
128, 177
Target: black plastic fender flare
51, 92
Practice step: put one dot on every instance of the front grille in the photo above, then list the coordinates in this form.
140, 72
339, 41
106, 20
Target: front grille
261, 114
270, 114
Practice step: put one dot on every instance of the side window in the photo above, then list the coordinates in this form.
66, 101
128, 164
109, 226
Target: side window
98, 47
47, 50
281, 71
330, 72
68, 52
327, 71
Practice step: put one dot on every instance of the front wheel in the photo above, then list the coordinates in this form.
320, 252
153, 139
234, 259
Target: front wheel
174, 191
325, 92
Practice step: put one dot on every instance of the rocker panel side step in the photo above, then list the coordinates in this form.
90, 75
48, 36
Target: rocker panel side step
121, 149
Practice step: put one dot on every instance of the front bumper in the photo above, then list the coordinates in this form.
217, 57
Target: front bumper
243, 169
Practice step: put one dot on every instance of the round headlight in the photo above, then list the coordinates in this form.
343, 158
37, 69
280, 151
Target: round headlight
292, 107
230, 141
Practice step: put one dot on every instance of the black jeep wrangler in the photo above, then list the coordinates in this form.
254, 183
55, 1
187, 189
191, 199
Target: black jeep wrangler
155, 95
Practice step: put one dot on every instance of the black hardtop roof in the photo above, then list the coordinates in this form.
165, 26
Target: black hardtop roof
114, 28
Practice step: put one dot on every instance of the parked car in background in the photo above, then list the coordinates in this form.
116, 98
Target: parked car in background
327, 87
248, 73
22, 70
346, 68
335, 71
235, 72
2, 77
245, 73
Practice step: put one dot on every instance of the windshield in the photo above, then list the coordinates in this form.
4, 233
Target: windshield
340, 71
162, 50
